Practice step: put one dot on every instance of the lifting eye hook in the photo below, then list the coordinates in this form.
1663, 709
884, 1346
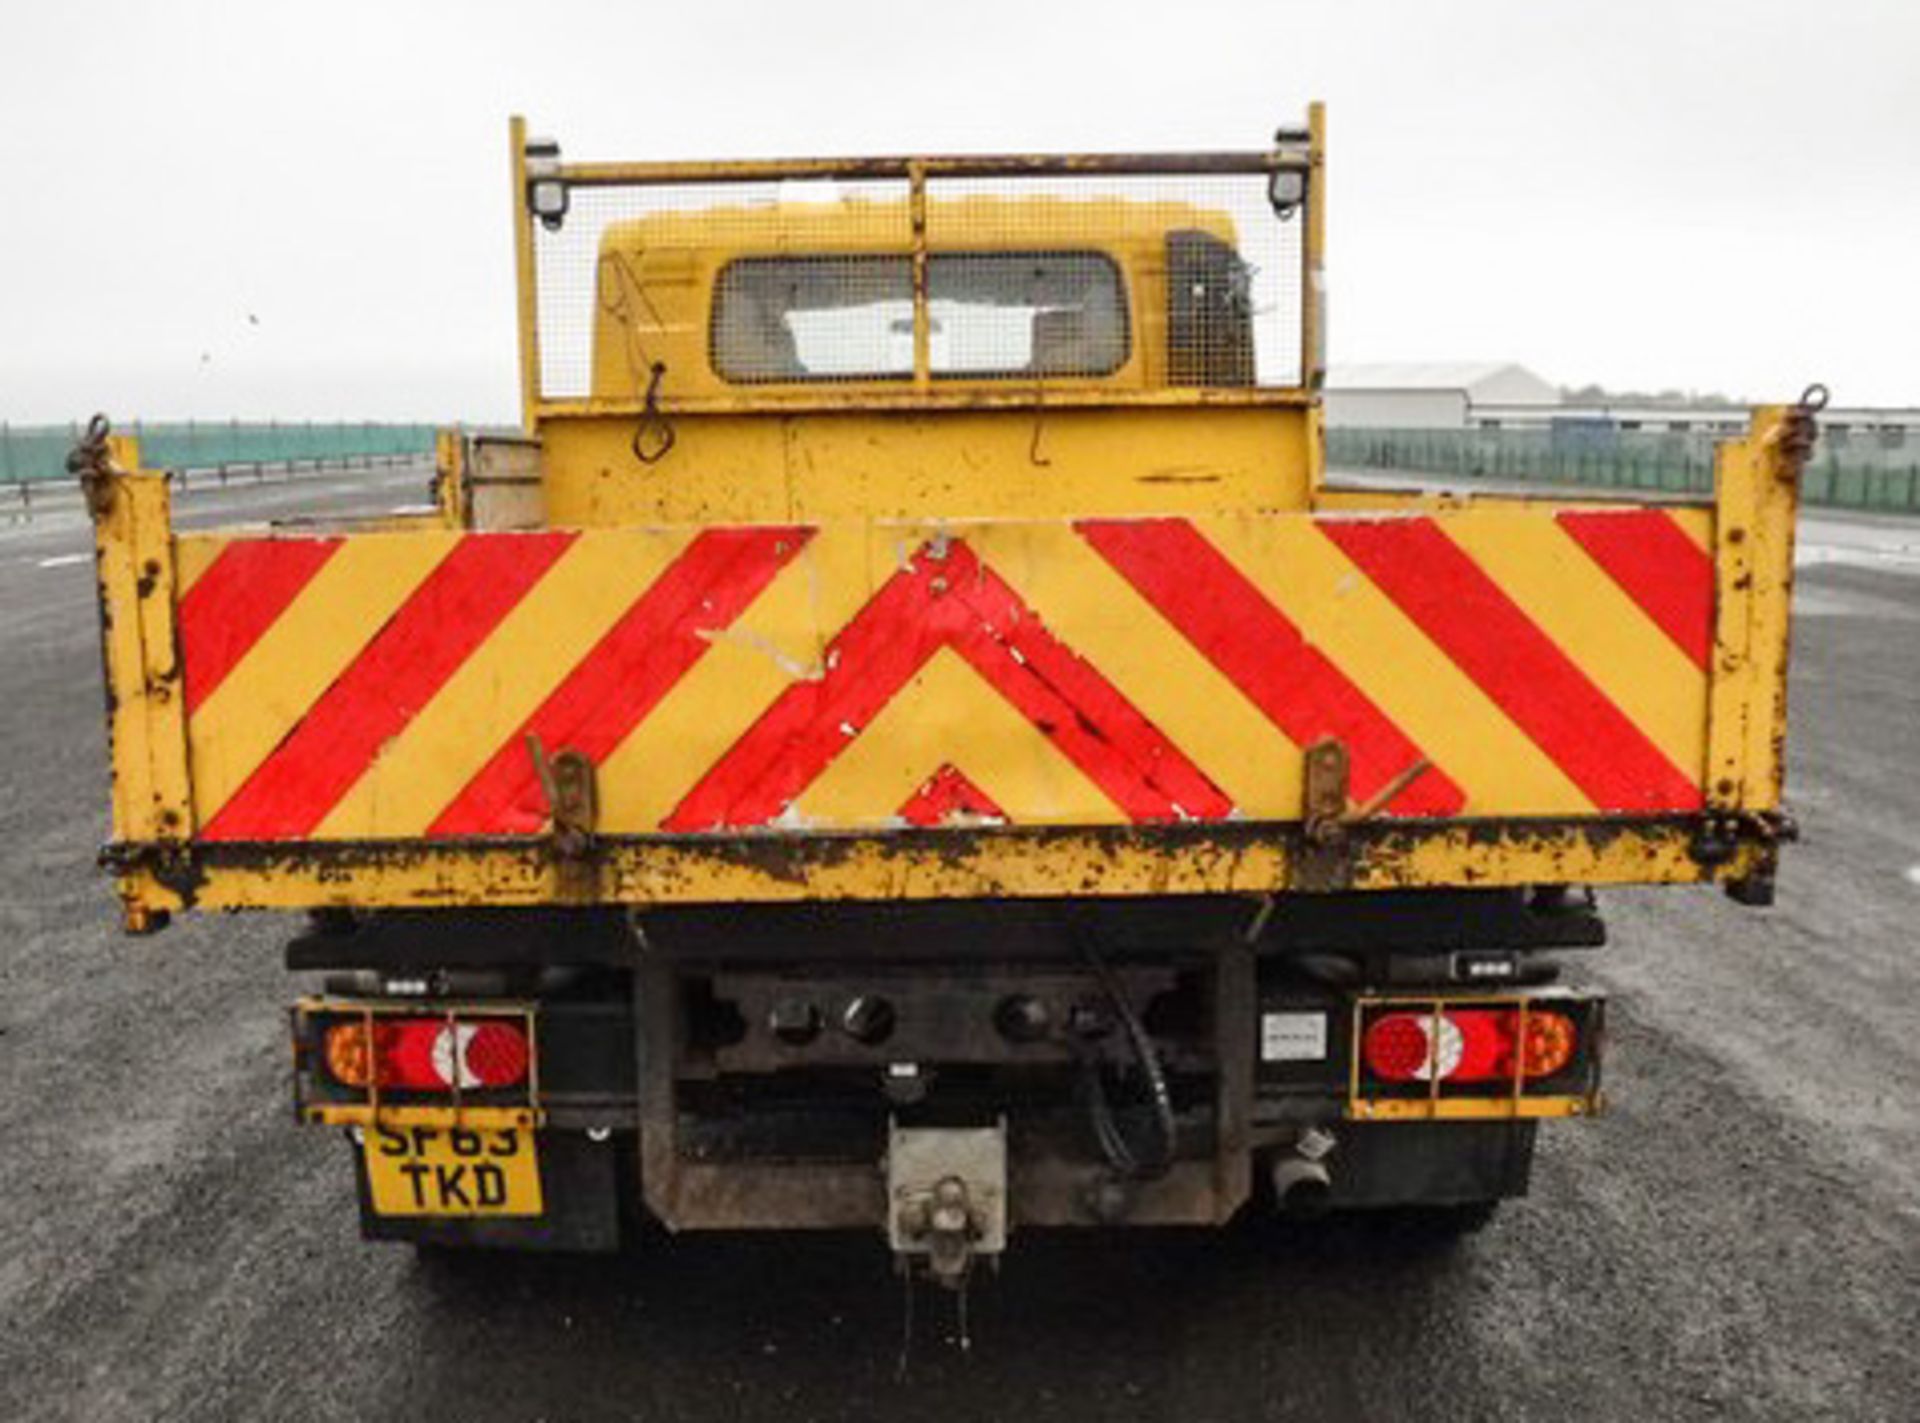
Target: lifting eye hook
653, 436
90, 462
1796, 438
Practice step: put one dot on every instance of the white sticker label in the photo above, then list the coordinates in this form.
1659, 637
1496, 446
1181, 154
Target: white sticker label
1293, 1037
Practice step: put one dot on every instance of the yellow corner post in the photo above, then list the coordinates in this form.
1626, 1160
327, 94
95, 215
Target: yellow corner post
1313, 285
1757, 500
1313, 329
147, 727
526, 296
450, 493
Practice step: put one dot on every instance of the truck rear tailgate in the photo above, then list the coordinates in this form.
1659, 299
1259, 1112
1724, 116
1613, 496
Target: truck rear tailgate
1500, 691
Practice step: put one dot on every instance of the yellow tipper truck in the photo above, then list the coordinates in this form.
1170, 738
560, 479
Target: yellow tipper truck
908, 738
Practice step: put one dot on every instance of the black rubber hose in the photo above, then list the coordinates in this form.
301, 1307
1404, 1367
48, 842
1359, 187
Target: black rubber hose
1106, 1128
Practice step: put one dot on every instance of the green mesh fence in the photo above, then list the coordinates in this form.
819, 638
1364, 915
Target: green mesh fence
1872, 472
39, 452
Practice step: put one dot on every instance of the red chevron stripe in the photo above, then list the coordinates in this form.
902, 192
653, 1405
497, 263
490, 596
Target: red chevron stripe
626, 674
1657, 565
949, 794
1487, 635
948, 600
249, 584
451, 613
1260, 650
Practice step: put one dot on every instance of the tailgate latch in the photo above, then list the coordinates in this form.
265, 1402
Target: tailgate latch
1327, 849
572, 802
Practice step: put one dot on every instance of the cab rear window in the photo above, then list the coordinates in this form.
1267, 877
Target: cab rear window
991, 315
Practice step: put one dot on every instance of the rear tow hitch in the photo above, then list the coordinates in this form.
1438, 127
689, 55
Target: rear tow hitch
946, 1198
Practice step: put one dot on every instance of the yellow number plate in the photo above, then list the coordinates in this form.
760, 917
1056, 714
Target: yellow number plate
453, 1171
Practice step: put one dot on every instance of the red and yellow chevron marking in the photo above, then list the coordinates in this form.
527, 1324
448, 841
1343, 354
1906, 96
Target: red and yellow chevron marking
944, 600
1545, 661
949, 798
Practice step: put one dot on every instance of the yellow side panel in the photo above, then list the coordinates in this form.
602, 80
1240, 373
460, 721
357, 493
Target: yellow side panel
863, 675
779, 640
781, 697
496, 689
945, 706
1398, 668
191, 556
1594, 619
299, 656
1150, 663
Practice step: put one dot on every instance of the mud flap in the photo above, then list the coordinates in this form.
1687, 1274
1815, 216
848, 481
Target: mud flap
1431, 1163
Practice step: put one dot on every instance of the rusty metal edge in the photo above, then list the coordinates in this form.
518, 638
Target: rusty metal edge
1240, 857
1291, 158
901, 395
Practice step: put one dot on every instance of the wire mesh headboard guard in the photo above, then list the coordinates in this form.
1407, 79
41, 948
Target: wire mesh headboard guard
747, 283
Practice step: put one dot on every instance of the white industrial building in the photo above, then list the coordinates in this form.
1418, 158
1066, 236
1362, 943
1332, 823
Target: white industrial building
1429, 395
1500, 395
1888, 428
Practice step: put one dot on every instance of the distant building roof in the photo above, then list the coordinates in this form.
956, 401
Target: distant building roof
1495, 382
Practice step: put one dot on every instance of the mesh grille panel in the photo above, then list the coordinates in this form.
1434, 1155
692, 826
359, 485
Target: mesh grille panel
1131, 281
1236, 316
625, 284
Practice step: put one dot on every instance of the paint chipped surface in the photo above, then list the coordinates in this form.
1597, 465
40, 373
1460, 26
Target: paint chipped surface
753, 641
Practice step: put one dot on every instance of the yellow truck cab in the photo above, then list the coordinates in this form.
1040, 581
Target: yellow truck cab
908, 736
798, 294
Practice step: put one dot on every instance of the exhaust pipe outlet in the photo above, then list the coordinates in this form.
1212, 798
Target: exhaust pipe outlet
1302, 1188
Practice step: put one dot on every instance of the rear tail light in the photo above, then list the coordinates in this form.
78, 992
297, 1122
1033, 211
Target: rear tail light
426, 1054
1549, 1044
1468, 1045
351, 1051
496, 1054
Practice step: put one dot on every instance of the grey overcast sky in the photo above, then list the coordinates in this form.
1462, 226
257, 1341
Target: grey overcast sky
265, 209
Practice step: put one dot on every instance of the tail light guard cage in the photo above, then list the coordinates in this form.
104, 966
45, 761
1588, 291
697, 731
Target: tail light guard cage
339, 1105
1583, 1099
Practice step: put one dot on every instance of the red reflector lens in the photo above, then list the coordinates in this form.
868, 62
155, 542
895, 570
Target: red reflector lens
413, 1058
1396, 1047
497, 1054
427, 1054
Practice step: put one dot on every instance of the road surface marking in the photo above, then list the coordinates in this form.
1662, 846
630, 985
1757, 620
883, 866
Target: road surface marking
63, 560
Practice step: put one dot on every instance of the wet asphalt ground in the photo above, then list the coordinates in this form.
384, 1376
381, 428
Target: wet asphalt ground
1739, 1238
